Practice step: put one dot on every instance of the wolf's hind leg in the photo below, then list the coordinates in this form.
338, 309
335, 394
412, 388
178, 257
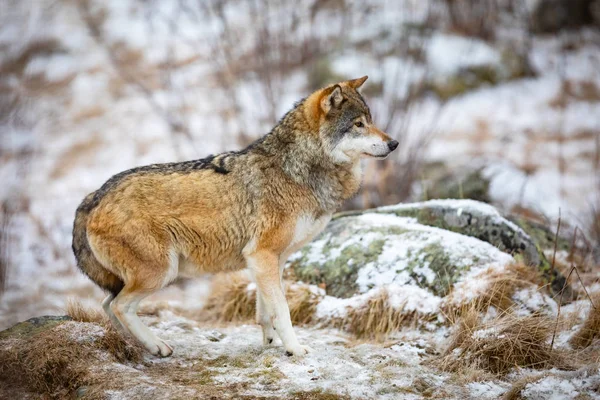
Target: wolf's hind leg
111, 315
263, 319
124, 307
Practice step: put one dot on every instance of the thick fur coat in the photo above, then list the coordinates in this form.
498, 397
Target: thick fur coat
244, 209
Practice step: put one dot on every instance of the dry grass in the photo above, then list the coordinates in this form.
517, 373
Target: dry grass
80, 313
499, 345
233, 300
514, 393
376, 319
302, 302
590, 328
502, 287
230, 299
123, 348
48, 363
58, 360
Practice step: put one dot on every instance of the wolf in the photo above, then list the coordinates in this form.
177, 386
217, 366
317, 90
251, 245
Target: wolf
252, 209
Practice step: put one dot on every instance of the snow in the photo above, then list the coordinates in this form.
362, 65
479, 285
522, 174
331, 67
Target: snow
366, 371
413, 298
392, 265
550, 388
485, 333
406, 298
96, 125
449, 53
486, 390
532, 300
475, 283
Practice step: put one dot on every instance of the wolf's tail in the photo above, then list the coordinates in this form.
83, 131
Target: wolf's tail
86, 261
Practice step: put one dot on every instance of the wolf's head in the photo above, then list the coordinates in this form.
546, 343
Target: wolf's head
344, 123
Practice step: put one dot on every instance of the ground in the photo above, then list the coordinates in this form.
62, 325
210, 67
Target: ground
229, 361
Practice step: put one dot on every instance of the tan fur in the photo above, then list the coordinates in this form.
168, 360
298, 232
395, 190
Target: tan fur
253, 208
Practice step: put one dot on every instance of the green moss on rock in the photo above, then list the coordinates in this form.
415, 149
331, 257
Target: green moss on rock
484, 223
436, 258
33, 326
543, 236
354, 246
465, 184
338, 272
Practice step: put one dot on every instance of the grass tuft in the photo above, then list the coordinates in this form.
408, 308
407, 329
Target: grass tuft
376, 319
80, 313
498, 345
590, 328
122, 347
502, 285
233, 299
56, 361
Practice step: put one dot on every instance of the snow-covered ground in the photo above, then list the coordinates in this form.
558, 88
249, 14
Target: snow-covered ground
159, 84
231, 362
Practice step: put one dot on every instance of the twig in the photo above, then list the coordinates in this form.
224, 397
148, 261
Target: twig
584, 288
576, 270
562, 291
556, 241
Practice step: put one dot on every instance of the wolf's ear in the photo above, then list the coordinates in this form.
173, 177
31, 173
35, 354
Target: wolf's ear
332, 99
356, 83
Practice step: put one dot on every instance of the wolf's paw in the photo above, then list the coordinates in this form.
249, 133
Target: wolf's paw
162, 349
268, 335
299, 350
267, 341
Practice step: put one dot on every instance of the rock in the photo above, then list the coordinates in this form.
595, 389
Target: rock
81, 392
470, 218
459, 183
431, 245
33, 326
542, 235
401, 245
488, 66
474, 182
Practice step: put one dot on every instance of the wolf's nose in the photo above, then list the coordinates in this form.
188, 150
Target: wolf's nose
392, 145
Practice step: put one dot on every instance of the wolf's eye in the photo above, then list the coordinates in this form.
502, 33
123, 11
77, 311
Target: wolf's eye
359, 124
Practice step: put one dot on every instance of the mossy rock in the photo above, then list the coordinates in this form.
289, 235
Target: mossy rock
513, 65
464, 80
33, 326
470, 218
358, 252
352, 245
541, 234
466, 183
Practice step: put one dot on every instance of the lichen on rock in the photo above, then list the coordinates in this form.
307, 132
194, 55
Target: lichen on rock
357, 253
470, 218
436, 248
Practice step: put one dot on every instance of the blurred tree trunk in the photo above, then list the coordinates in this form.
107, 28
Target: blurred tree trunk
550, 16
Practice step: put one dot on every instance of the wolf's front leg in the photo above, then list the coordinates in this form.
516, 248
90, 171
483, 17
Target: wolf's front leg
265, 267
264, 320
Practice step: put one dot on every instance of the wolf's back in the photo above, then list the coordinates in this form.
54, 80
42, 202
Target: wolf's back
86, 261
